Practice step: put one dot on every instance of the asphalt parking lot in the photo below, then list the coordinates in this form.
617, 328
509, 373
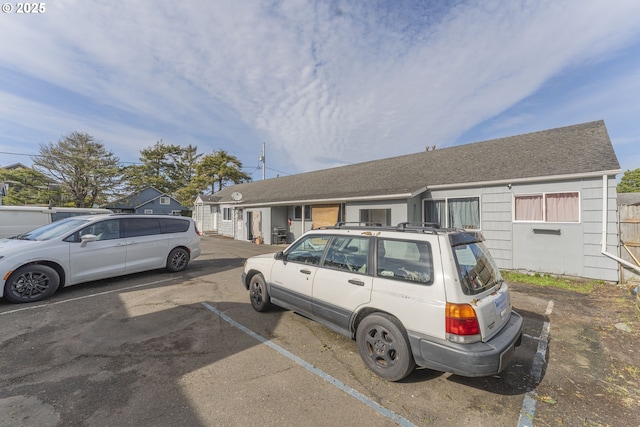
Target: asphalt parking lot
187, 349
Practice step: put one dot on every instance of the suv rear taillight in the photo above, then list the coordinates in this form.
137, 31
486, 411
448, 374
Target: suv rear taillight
462, 323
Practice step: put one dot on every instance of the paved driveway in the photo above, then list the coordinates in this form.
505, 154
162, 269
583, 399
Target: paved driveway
187, 349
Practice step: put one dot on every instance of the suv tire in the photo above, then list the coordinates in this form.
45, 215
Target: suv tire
258, 293
384, 347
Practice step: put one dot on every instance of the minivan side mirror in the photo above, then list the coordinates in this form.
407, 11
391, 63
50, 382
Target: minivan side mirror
88, 238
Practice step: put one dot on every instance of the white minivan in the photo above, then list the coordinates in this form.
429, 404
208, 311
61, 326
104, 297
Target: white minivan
85, 248
16, 220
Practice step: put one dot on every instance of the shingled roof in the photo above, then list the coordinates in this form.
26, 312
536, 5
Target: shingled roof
571, 150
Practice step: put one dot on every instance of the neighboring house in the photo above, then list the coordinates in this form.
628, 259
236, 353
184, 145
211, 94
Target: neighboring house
147, 201
205, 213
544, 201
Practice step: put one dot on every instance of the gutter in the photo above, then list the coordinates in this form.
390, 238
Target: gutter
605, 220
532, 180
328, 200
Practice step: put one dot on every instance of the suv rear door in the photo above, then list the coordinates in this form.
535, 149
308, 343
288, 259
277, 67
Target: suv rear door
408, 283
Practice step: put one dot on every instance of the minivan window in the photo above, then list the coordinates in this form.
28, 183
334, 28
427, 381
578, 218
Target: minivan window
172, 225
134, 227
53, 230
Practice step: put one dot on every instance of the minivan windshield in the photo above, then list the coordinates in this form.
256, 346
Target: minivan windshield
53, 230
476, 268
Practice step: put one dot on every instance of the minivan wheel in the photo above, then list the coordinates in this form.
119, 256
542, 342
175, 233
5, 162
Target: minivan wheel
384, 347
177, 260
260, 299
33, 282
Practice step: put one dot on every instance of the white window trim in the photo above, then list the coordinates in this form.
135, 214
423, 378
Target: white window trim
148, 211
165, 200
446, 209
544, 208
230, 215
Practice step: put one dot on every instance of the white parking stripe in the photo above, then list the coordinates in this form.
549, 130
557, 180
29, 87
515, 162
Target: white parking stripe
529, 404
364, 399
48, 304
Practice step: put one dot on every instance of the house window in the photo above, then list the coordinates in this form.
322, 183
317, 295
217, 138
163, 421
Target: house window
463, 212
176, 212
297, 212
226, 214
547, 207
148, 211
376, 216
164, 201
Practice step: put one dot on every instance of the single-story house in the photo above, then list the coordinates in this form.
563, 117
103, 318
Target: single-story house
147, 201
545, 201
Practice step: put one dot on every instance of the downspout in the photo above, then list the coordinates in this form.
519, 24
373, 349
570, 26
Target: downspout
605, 220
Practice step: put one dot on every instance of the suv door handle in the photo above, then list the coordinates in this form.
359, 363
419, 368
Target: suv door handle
356, 282
305, 271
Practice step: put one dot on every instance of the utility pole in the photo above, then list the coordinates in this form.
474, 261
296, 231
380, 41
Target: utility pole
262, 161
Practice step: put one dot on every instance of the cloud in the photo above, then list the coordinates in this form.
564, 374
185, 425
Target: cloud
323, 83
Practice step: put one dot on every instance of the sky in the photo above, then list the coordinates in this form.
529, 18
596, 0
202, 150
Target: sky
319, 83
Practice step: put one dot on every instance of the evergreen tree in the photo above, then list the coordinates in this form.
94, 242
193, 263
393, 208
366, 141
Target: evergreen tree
630, 182
82, 166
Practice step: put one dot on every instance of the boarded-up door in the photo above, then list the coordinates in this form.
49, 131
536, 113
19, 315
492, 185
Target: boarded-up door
325, 215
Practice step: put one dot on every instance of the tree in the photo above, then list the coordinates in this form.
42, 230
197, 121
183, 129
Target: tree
630, 182
158, 169
219, 168
26, 186
186, 173
82, 166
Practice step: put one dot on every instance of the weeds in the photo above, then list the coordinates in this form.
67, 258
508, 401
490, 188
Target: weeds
576, 285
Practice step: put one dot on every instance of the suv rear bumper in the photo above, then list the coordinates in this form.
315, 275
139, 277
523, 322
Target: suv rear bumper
469, 360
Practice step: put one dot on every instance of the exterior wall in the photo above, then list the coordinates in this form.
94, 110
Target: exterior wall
571, 249
226, 227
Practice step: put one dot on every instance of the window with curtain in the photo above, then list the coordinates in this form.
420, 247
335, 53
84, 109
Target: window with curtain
528, 208
548, 207
461, 212
562, 207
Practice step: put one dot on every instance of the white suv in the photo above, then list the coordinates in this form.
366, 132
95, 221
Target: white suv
85, 248
409, 295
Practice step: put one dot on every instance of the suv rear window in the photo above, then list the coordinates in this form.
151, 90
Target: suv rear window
477, 270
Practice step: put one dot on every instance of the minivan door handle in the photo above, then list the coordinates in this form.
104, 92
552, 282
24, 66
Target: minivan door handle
305, 271
356, 282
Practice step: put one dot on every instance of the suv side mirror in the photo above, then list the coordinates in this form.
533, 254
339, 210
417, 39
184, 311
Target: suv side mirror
280, 256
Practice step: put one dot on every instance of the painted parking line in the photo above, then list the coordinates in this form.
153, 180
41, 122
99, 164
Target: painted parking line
529, 404
49, 304
362, 398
